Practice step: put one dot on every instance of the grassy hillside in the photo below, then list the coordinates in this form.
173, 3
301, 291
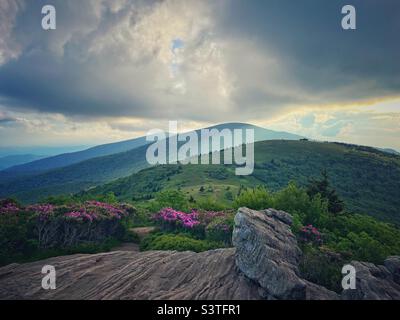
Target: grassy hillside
368, 180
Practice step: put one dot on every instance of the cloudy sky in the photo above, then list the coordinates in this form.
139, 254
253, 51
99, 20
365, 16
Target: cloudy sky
114, 69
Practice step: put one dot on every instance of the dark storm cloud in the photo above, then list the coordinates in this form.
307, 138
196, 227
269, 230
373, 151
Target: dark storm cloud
320, 55
57, 71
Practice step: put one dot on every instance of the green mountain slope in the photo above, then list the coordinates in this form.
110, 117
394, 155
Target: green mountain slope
367, 179
57, 175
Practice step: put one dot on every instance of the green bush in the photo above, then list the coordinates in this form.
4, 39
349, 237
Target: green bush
362, 237
292, 199
322, 267
258, 199
16, 240
220, 230
178, 242
295, 200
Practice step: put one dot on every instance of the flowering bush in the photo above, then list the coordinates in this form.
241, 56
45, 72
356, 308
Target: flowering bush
171, 219
8, 206
310, 234
64, 226
44, 211
213, 225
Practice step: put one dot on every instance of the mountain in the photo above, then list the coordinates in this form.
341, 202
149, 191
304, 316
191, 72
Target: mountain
76, 177
39, 150
367, 179
260, 134
389, 150
65, 159
17, 159
71, 173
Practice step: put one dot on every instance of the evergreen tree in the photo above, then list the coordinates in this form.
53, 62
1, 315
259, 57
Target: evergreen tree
322, 187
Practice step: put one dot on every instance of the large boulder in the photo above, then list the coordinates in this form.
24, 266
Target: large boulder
267, 252
375, 282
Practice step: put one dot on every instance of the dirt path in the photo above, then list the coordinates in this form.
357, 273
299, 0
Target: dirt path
134, 247
142, 231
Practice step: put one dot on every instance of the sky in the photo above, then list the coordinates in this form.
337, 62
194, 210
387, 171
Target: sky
114, 69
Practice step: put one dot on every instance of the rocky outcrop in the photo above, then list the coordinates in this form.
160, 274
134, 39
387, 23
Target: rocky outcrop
375, 282
263, 265
127, 275
267, 252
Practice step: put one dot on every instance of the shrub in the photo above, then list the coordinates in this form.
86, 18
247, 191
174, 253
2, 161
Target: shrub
172, 198
25, 230
295, 200
292, 199
16, 240
322, 187
178, 242
310, 234
67, 226
362, 237
220, 230
201, 224
258, 199
322, 267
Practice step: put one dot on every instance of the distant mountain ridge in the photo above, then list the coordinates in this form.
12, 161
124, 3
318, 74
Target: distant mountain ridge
66, 159
68, 173
17, 159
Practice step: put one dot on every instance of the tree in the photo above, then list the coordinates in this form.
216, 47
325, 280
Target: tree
323, 188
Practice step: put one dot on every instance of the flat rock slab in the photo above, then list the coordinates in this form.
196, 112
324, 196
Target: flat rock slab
132, 275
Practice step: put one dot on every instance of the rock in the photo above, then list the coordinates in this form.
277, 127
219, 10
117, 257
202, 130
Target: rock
317, 292
130, 275
264, 264
393, 265
375, 282
267, 252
